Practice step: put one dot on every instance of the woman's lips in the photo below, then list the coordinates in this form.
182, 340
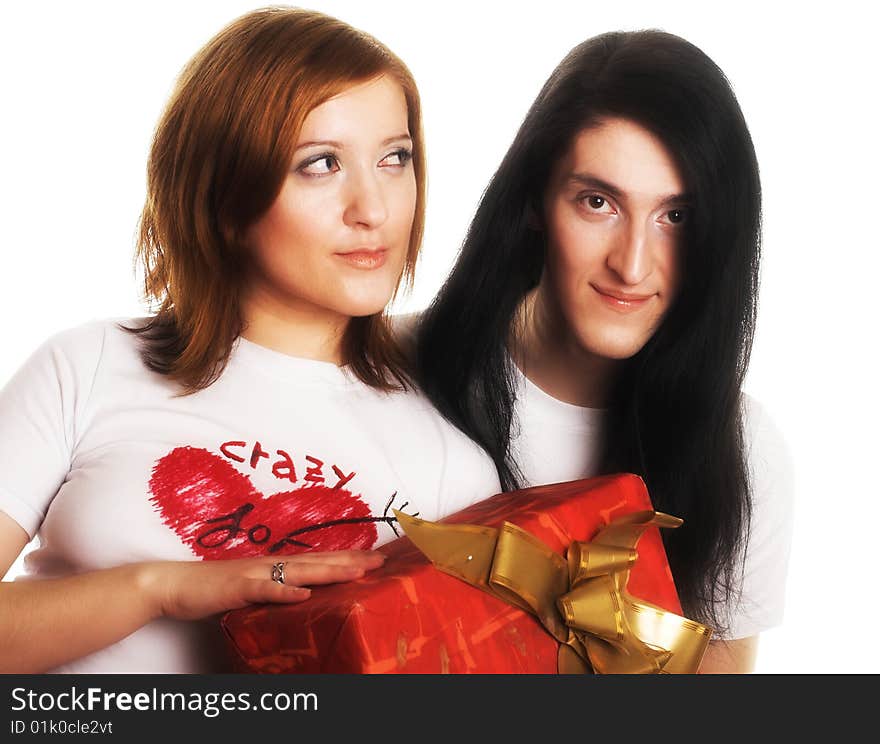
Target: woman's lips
620, 300
364, 259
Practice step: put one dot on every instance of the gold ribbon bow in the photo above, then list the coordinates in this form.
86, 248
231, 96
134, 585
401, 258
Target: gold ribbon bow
582, 603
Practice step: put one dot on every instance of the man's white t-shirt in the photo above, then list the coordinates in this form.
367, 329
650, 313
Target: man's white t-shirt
108, 464
553, 442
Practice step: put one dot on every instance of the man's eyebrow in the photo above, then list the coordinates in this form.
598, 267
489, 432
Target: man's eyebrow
340, 146
585, 179
591, 181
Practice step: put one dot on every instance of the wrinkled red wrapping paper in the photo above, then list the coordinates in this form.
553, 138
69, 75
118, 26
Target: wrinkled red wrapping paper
409, 617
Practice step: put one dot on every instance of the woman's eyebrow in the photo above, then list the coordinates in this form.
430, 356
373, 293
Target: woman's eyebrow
396, 138
321, 143
590, 181
339, 146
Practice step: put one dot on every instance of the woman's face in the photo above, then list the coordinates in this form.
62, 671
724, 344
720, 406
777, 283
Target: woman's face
614, 211
335, 240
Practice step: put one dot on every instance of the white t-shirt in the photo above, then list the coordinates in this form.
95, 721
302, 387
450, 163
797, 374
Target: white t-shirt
107, 464
553, 442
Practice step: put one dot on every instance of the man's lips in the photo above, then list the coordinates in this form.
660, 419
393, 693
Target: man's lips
621, 300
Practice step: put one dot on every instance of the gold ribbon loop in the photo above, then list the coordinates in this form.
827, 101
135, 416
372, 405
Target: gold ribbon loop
593, 606
528, 574
587, 560
582, 601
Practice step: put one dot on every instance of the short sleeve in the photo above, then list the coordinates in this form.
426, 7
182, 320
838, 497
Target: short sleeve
765, 567
41, 408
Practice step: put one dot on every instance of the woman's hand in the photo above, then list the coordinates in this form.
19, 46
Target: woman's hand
190, 590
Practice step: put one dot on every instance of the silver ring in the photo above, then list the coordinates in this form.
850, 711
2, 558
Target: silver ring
278, 572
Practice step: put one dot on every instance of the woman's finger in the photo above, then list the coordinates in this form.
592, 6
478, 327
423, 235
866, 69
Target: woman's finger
338, 557
254, 591
305, 574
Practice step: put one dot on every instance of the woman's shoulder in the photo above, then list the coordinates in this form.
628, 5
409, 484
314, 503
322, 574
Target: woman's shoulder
84, 345
83, 336
74, 356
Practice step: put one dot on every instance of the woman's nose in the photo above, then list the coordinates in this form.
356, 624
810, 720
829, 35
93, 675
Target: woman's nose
366, 205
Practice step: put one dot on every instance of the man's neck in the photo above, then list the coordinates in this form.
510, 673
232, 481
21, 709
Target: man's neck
550, 356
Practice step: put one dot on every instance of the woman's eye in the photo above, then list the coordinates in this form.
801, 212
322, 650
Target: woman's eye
320, 166
397, 158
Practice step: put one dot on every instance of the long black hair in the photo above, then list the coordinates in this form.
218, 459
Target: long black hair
675, 413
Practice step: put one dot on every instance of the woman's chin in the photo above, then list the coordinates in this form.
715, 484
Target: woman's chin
363, 307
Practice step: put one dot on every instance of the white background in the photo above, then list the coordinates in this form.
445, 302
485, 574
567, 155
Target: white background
84, 83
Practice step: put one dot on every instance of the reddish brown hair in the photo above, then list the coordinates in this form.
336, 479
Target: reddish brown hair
221, 152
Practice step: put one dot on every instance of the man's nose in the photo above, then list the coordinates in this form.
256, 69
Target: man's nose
631, 256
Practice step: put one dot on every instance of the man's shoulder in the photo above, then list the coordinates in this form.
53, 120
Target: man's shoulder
405, 329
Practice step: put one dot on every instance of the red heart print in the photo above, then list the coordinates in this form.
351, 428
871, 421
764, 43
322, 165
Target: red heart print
219, 513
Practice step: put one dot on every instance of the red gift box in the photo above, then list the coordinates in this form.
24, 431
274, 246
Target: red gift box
409, 617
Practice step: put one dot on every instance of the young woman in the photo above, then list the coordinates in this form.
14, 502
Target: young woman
251, 438
601, 313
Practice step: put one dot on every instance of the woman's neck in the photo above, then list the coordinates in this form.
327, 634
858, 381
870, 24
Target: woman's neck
549, 355
292, 326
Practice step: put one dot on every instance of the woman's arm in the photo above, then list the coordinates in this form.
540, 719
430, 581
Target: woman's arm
730, 657
46, 623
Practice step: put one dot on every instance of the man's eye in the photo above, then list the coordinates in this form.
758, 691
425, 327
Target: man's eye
675, 216
596, 203
320, 166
